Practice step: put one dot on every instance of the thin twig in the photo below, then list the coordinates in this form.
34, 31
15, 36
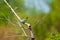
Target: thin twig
15, 15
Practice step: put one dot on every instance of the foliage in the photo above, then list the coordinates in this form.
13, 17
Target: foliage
44, 26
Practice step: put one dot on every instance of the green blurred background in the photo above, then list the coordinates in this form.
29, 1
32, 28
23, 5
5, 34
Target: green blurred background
43, 15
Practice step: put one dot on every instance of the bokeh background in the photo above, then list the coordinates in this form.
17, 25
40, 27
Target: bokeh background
43, 15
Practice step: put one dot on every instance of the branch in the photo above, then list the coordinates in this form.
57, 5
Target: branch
15, 15
30, 30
